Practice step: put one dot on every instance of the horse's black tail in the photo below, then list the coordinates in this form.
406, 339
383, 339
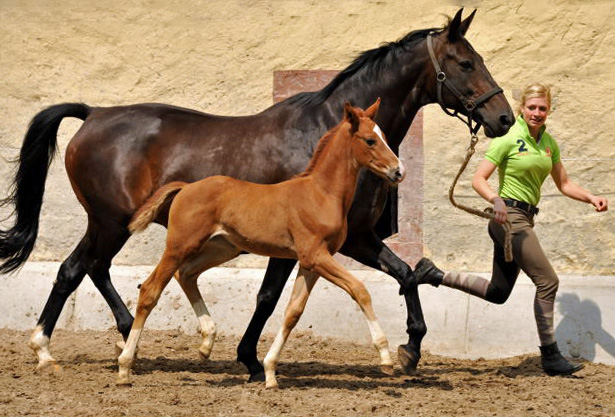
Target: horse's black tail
37, 152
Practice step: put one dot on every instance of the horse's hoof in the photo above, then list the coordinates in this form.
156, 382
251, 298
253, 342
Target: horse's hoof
408, 360
257, 377
387, 370
48, 367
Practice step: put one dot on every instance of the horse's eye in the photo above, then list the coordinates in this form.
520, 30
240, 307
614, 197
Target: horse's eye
370, 142
466, 65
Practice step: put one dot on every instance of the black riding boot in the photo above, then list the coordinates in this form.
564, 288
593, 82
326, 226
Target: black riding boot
554, 363
427, 273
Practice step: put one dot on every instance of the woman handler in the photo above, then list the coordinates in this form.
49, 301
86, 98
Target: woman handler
525, 156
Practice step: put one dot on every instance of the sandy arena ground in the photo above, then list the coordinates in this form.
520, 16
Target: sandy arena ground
317, 377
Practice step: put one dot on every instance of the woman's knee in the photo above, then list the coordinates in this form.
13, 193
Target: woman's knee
497, 295
546, 289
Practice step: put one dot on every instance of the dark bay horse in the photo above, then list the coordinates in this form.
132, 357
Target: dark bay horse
213, 220
121, 155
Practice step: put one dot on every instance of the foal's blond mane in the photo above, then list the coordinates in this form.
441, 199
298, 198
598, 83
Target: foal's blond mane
322, 144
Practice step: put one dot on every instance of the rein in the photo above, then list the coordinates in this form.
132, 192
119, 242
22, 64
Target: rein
470, 105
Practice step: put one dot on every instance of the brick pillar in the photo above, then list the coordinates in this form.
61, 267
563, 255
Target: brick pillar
408, 243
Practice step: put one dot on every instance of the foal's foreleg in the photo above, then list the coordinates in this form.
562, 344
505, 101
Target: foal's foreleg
207, 326
301, 292
148, 298
367, 248
329, 268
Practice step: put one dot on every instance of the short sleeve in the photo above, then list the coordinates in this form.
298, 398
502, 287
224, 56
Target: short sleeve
555, 154
498, 150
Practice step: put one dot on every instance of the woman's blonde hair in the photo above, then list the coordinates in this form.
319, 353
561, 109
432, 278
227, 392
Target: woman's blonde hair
533, 91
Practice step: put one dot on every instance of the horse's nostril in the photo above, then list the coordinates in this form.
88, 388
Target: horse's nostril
505, 120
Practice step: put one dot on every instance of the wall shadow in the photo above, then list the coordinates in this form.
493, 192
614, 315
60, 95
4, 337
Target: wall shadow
580, 330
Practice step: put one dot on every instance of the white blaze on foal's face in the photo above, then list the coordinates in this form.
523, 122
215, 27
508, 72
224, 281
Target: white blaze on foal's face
380, 135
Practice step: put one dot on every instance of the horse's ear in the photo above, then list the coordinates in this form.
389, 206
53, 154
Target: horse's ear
463, 27
351, 115
454, 28
373, 109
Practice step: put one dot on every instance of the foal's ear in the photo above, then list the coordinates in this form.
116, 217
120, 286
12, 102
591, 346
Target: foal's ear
373, 109
351, 115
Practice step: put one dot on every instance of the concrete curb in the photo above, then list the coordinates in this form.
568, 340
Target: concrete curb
459, 325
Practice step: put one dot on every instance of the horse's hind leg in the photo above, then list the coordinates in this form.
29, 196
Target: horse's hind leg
149, 295
71, 273
107, 242
93, 256
301, 292
276, 276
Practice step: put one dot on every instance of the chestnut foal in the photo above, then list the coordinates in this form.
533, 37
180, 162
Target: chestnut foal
213, 220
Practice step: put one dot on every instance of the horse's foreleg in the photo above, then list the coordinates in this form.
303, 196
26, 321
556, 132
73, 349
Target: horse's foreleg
188, 283
276, 276
70, 275
301, 292
149, 295
370, 250
329, 268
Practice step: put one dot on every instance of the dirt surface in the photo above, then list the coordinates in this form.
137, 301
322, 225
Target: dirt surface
317, 377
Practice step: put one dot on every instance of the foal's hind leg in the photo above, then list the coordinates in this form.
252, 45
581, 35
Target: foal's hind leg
301, 292
207, 326
148, 298
217, 251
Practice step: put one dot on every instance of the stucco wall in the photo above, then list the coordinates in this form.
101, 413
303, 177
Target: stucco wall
219, 57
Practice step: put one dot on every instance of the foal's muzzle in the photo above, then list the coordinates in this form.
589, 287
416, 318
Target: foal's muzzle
397, 174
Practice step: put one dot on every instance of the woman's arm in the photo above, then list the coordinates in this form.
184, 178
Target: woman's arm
482, 187
575, 191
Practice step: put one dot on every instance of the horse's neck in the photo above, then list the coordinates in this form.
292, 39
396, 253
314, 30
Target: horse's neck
402, 95
336, 172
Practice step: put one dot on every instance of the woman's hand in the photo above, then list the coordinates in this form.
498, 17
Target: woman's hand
499, 209
601, 203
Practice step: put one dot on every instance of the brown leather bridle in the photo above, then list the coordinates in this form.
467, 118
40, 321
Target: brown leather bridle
469, 104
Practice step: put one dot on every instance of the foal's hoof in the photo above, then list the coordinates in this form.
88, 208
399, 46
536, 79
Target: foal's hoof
408, 360
257, 377
387, 370
49, 367
121, 383
204, 355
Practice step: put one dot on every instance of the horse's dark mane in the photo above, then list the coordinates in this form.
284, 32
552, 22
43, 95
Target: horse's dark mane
322, 144
372, 60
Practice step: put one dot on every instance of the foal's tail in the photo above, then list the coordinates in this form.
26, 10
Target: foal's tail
26, 195
148, 212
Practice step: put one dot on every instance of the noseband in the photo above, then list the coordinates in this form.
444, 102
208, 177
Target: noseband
469, 104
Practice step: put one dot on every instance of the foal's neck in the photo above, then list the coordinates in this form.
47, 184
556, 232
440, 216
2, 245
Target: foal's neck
336, 171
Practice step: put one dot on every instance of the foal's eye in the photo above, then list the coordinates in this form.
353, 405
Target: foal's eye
466, 65
370, 142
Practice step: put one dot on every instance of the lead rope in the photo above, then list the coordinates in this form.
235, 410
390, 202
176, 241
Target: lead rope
486, 213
